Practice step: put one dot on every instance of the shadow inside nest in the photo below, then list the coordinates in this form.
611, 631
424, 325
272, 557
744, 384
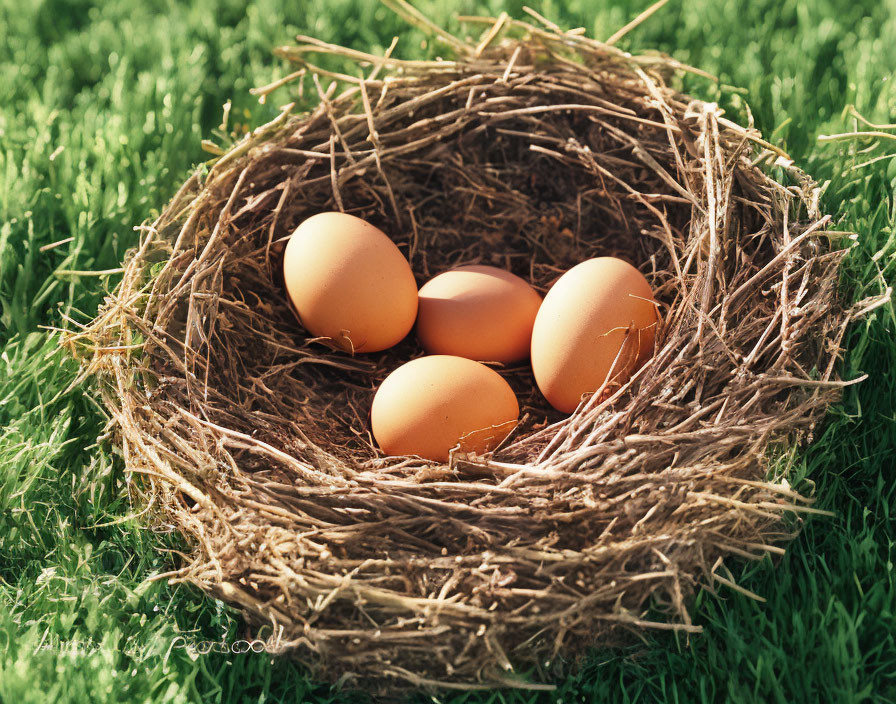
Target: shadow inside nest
486, 197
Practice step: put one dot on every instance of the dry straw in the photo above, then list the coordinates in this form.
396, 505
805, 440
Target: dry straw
533, 150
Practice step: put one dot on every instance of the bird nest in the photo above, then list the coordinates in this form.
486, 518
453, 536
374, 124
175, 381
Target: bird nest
533, 150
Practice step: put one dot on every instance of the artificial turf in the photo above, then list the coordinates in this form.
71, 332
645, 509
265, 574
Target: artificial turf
102, 109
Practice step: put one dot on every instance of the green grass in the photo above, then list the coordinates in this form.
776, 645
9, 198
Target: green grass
102, 109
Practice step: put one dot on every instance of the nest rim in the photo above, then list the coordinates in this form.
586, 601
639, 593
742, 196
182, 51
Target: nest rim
443, 632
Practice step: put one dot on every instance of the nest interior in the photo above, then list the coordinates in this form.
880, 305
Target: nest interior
532, 151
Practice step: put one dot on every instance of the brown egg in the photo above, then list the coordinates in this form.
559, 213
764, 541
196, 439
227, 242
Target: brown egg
433, 404
349, 282
478, 312
597, 323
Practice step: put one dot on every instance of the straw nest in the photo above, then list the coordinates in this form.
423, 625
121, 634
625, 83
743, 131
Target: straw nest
533, 150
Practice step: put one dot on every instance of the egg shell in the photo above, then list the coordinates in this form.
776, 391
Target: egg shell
349, 282
432, 404
598, 318
478, 312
